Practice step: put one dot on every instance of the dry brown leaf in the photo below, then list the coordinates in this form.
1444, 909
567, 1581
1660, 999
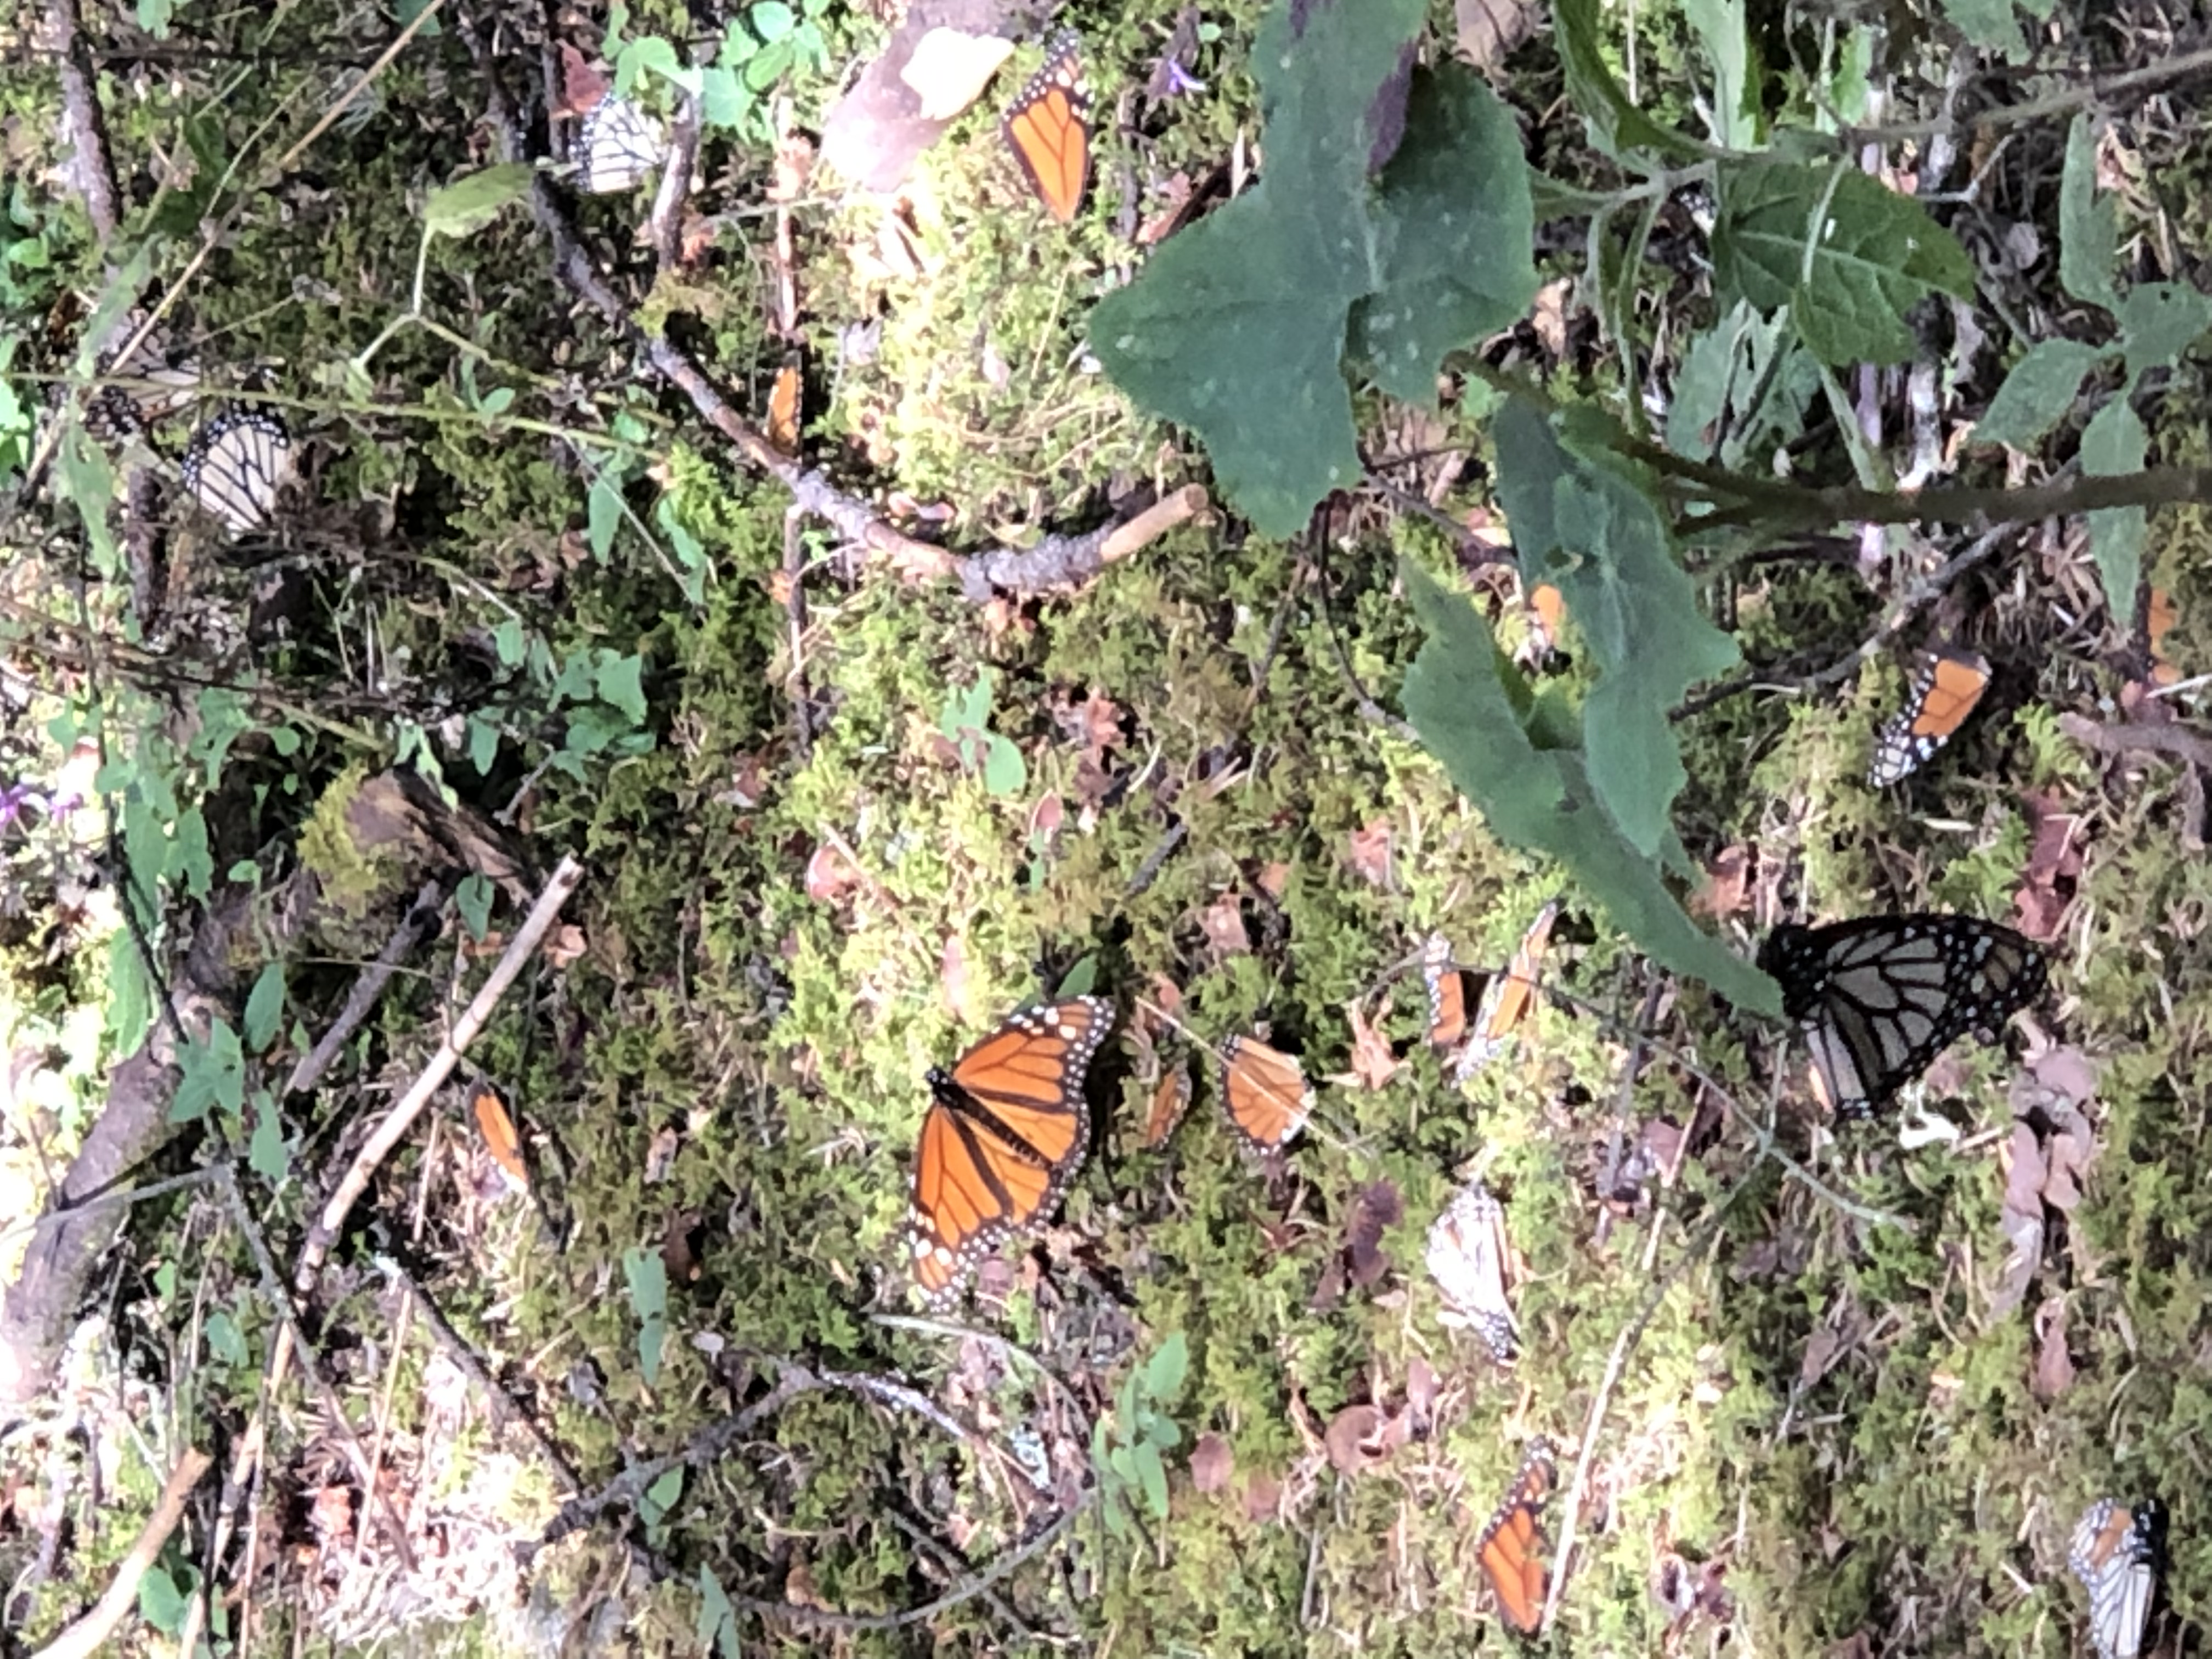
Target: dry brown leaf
1375, 1212
1354, 1440
1373, 1065
1549, 316
1820, 1351
1728, 879
1489, 29
1211, 1462
1263, 1497
830, 876
1370, 853
564, 944
1223, 924
2020, 1219
1274, 879
2054, 1366
959, 989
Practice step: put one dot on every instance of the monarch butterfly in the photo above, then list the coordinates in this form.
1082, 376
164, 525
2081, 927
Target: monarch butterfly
1511, 1548
618, 147
783, 407
235, 464
1508, 998
1048, 128
1880, 997
1170, 1100
2115, 1553
1547, 609
1005, 1132
1266, 1094
1946, 686
497, 1125
1467, 1258
2159, 618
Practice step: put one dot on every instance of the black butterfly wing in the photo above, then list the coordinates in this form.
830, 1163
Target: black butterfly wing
1880, 997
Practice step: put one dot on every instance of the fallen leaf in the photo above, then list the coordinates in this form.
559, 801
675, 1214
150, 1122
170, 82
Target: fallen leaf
1274, 879
1549, 315
2020, 1219
1820, 1351
1377, 1209
1211, 1462
830, 876
1223, 924
1422, 1387
678, 1250
564, 944
952, 976
1263, 1497
1488, 29
582, 85
2054, 1366
1352, 1440
1373, 1065
1370, 853
1728, 879
661, 1154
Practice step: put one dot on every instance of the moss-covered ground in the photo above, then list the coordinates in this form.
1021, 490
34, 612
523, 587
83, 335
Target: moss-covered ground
1804, 1404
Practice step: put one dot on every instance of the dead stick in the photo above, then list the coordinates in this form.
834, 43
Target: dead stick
83, 1638
402, 1117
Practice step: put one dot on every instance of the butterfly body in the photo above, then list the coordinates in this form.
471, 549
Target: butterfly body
1880, 997
1006, 1133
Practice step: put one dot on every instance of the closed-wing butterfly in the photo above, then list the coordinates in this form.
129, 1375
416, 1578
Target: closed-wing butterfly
2115, 1553
1508, 998
1946, 686
1466, 1257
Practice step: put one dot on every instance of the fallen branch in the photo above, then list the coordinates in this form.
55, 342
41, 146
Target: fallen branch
2182, 741
83, 1638
1057, 562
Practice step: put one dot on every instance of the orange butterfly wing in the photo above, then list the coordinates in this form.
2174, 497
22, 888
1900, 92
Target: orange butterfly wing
1003, 1137
2159, 618
1048, 129
1447, 993
1266, 1093
1946, 686
1512, 1546
494, 1124
1508, 998
1170, 1100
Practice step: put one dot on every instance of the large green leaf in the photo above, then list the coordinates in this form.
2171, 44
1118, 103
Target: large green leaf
1456, 696
1585, 528
1236, 329
2088, 224
2113, 444
1849, 256
1457, 263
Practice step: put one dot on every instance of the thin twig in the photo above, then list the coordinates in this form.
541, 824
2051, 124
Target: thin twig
83, 1638
422, 916
1700, 1242
2181, 740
